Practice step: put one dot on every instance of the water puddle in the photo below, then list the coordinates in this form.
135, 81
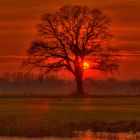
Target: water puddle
88, 135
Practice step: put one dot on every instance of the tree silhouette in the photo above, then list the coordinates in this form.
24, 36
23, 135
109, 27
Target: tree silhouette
69, 37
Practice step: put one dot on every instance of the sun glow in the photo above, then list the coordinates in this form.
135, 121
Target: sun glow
86, 65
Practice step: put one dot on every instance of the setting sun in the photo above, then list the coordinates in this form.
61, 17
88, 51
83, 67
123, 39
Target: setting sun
86, 65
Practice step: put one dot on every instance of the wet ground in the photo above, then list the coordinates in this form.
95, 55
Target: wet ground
87, 136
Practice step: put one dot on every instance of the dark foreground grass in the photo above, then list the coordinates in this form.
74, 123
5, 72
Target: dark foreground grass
63, 117
39, 128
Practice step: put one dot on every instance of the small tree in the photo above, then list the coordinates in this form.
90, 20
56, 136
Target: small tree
69, 37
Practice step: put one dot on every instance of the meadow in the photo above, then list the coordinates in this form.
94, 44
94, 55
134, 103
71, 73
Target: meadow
38, 117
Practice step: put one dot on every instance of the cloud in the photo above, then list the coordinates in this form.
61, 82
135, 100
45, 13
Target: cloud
18, 20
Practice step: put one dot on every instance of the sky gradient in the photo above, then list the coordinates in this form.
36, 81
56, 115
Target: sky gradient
18, 20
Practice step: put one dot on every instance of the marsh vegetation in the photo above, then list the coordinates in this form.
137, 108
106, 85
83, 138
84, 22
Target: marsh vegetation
64, 117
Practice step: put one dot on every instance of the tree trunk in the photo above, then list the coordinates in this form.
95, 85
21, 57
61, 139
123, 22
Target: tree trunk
79, 83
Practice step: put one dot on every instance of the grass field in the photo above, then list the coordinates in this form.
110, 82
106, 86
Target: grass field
63, 116
70, 109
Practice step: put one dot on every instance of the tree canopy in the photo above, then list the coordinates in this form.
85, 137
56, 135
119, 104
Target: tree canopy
68, 37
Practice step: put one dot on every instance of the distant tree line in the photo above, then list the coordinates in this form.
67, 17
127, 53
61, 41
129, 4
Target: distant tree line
30, 84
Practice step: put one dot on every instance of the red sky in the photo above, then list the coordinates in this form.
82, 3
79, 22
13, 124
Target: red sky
18, 20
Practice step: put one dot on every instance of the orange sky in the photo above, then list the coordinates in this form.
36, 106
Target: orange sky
18, 20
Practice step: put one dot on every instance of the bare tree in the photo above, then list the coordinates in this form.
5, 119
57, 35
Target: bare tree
69, 37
